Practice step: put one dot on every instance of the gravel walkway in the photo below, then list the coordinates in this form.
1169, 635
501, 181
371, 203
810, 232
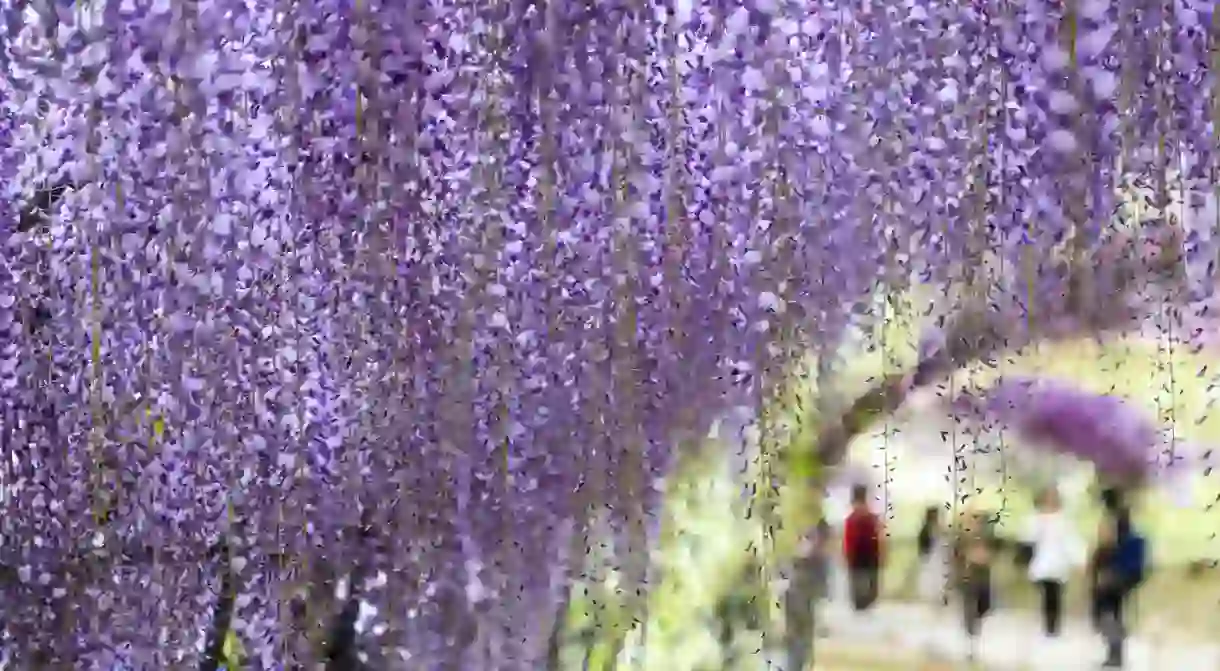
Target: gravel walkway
1010, 641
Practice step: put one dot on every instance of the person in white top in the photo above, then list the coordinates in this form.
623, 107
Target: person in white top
1057, 551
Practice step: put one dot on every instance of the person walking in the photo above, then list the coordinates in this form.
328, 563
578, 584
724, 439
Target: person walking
1055, 551
808, 586
820, 567
931, 564
1117, 569
1103, 555
862, 550
973, 554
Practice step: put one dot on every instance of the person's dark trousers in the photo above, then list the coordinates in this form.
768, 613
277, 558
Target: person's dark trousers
1052, 606
1102, 606
976, 604
865, 586
1097, 603
1109, 609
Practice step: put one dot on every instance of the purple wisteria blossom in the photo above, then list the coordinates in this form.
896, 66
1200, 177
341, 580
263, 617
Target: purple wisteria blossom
297, 292
1106, 431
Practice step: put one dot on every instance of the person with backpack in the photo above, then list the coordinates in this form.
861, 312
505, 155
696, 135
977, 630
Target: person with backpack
1118, 568
1056, 550
862, 550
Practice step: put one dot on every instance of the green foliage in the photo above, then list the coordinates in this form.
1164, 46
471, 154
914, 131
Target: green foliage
233, 652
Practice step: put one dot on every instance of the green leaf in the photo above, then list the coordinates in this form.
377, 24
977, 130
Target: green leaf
232, 652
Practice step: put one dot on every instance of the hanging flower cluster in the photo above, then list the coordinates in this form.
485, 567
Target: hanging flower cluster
1099, 429
419, 290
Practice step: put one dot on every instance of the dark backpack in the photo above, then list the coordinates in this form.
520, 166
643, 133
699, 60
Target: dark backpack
1131, 559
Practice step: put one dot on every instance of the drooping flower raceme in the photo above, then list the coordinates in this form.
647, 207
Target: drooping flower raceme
1099, 429
464, 276
1052, 417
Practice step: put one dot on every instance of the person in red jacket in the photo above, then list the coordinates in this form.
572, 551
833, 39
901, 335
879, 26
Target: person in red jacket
862, 550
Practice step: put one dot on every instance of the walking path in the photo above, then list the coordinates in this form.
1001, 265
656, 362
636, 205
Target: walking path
1010, 641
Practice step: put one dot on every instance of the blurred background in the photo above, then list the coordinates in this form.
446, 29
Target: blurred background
920, 457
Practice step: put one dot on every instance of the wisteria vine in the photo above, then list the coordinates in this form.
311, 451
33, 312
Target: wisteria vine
467, 276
